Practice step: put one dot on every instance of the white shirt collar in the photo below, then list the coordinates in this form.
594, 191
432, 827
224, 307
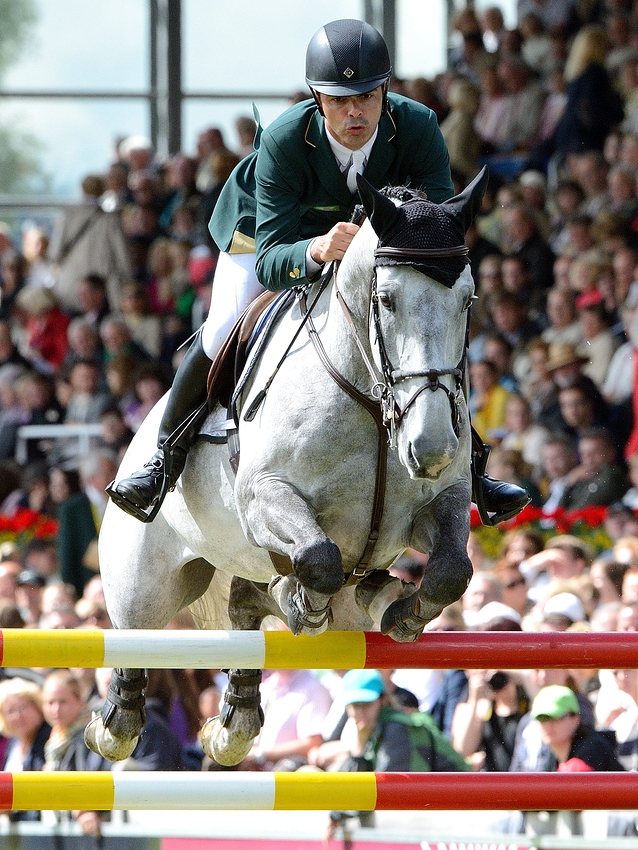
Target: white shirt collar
343, 155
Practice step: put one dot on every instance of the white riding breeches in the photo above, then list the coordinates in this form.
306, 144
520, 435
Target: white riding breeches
234, 287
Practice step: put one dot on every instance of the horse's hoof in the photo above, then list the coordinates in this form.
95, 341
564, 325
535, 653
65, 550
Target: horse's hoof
401, 620
375, 593
224, 745
101, 741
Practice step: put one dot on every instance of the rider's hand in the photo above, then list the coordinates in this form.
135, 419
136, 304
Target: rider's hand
333, 244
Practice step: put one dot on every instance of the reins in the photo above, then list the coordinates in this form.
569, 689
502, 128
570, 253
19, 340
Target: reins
372, 406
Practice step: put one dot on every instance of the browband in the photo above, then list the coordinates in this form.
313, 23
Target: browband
421, 253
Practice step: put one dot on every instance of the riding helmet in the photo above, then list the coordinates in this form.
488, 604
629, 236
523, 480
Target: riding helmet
347, 57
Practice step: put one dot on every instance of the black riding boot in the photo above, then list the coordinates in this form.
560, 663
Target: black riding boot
142, 493
496, 500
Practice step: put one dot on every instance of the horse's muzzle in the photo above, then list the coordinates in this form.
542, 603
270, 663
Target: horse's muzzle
427, 466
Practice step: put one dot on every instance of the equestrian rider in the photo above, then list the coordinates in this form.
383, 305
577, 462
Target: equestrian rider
284, 213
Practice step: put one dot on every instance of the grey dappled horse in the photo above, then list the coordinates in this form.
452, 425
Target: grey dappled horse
380, 360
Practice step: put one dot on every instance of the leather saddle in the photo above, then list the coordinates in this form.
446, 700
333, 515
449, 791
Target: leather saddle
232, 357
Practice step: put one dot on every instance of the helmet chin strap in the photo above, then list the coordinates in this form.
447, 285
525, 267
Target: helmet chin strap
315, 94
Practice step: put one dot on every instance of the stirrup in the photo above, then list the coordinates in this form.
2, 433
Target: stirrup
479, 463
133, 510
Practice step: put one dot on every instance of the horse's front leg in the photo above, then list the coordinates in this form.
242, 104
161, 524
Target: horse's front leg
442, 528
277, 518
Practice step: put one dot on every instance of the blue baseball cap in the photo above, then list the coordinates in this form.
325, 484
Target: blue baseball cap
362, 686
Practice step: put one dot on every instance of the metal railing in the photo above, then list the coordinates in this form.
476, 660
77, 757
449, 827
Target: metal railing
82, 433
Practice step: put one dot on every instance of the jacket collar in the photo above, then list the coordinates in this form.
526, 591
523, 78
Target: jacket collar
323, 162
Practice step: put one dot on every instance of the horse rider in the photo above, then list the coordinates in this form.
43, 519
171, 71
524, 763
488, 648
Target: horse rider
284, 213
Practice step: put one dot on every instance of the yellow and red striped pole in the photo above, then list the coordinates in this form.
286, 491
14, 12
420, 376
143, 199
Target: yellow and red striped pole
146, 790
256, 650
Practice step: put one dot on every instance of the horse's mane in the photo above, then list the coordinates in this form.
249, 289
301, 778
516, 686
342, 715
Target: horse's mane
403, 194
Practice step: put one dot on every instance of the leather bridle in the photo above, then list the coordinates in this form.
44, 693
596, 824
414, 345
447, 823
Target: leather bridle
393, 413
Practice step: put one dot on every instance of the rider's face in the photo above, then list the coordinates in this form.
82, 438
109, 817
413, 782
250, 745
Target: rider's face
353, 120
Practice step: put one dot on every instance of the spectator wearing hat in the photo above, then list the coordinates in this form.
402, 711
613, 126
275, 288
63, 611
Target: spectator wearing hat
381, 738
561, 611
29, 587
598, 479
378, 737
573, 746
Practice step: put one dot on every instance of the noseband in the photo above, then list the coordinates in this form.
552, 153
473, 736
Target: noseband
393, 413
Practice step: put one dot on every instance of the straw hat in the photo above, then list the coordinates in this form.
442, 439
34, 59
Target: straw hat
563, 354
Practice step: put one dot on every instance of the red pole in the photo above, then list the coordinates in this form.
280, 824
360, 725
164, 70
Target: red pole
505, 650
519, 791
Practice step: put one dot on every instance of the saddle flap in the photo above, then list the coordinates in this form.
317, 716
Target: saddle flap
231, 358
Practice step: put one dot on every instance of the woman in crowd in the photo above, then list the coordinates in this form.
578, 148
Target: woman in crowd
23, 724
67, 713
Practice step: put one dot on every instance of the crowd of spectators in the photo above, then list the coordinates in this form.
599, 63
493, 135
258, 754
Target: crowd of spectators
92, 317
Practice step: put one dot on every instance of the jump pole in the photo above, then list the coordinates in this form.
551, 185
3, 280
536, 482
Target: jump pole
257, 650
145, 790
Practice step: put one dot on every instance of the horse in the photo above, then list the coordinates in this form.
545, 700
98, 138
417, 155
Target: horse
355, 445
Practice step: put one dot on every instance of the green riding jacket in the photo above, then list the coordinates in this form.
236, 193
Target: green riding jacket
291, 189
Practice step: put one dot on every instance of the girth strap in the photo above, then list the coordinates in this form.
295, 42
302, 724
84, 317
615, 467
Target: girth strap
372, 406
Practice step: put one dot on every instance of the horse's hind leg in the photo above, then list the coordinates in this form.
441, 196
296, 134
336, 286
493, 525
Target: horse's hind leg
115, 732
443, 528
228, 738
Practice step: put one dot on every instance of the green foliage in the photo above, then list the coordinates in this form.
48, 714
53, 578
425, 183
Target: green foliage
20, 169
16, 20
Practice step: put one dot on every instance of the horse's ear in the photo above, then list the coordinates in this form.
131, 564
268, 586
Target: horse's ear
381, 211
465, 206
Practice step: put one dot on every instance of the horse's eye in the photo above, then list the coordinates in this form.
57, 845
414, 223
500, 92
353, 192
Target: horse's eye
385, 300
